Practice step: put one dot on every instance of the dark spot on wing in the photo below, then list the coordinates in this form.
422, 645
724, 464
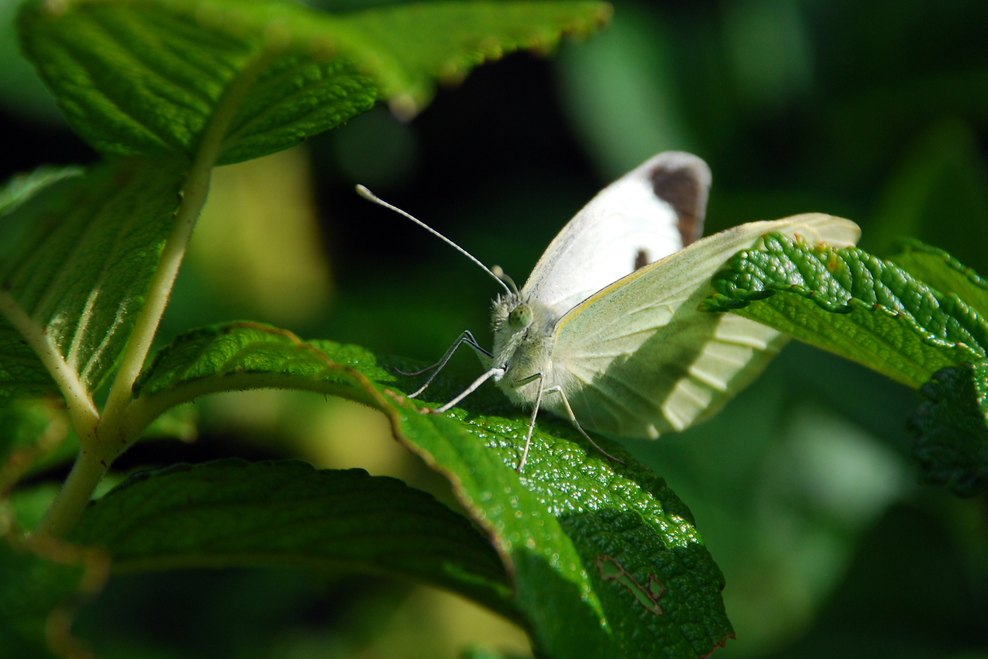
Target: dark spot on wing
682, 188
641, 260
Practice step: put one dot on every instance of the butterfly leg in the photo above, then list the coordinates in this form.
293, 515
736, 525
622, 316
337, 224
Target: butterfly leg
531, 423
576, 424
467, 338
496, 372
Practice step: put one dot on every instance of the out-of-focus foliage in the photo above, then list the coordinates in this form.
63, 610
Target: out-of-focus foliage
21, 91
257, 241
38, 591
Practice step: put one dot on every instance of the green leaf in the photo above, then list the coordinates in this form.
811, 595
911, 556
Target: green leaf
413, 45
232, 512
952, 429
75, 262
853, 304
139, 76
936, 268
36, 597
552, 524
22, 187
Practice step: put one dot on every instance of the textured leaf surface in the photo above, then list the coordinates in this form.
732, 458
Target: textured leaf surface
136, 76
952, 429
853, 304
551, 525
35, 595
934, 267
75, 262
232, 512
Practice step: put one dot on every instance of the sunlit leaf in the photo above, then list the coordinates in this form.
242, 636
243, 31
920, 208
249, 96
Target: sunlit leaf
138, 76
937, 194
853, 304
75, 262
551, 524
938, 269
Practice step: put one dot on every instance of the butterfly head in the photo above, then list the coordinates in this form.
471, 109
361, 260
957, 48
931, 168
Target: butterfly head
520, 326
510, 314
511, 318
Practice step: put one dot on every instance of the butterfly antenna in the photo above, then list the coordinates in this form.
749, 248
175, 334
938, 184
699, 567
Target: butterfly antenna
370, 196
500, 274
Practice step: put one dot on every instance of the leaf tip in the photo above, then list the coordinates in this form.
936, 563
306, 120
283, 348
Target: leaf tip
542, 45
491, 48
404, 107
452, 74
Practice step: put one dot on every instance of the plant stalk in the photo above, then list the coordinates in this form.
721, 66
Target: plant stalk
88, 470
101, 447
195, 191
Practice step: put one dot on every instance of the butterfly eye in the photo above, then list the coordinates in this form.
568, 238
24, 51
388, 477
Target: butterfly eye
521, 316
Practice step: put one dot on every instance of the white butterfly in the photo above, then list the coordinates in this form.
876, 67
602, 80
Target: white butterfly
606, 331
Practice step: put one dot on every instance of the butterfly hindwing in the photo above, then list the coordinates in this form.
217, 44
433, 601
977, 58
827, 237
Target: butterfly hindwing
638, 359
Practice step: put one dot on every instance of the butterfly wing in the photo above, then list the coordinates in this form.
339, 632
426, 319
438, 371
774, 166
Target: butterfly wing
647, 214
638, 359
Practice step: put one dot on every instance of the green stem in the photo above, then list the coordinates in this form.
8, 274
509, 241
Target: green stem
194, 197
195, 192
107, 439
86, 474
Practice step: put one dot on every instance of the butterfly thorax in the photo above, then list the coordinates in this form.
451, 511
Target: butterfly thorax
523, 339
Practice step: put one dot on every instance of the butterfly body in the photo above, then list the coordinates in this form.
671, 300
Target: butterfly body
523, 351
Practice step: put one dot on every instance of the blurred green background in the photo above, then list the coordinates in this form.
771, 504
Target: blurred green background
875, 110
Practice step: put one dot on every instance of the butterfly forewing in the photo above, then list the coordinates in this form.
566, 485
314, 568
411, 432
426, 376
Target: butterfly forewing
649, 213
637, 359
